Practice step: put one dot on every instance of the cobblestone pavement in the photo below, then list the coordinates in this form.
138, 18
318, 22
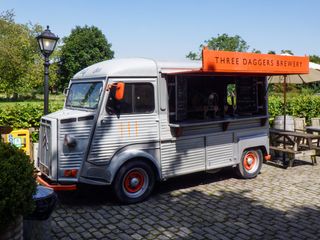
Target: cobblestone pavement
278, 204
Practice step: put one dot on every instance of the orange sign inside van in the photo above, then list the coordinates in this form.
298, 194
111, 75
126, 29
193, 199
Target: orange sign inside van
253, 63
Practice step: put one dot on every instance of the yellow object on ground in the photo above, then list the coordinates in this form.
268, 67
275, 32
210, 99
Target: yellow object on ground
20, 138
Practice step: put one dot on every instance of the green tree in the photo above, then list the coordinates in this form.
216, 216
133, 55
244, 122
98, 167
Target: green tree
193, 56
314, 58
21, 66
271, 52
85, 46
286, 51
256, 51
223, 42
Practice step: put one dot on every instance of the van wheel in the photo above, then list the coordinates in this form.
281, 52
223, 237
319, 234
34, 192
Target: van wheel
251, 163
134, 182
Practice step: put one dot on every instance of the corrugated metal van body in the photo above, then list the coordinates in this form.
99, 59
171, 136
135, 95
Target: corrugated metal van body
165, 131
115, 132
48, 147
72, 158
54, 154
182, 156
219, 150
206, 147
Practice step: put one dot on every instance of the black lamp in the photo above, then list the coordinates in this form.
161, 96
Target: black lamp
47, 42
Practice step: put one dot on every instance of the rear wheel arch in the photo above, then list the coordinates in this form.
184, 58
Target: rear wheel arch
263, 150
250, 163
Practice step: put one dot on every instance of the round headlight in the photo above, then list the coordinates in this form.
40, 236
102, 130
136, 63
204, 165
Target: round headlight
70, 141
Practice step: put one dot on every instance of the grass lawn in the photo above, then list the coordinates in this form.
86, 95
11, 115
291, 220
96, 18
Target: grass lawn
53, 99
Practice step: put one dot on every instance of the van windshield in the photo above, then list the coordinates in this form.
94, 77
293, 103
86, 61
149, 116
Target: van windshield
84, 95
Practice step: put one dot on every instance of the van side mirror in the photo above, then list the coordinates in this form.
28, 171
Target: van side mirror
119, 91
116, 95
65, 91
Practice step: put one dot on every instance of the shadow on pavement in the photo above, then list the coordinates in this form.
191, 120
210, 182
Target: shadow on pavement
91, 195
278, 162
187, 214
195, 215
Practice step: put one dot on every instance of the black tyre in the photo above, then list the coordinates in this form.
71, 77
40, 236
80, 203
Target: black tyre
134, 182
250, 164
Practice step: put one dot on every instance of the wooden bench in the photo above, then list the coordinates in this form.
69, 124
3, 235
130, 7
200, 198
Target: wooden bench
292, 154
295, 144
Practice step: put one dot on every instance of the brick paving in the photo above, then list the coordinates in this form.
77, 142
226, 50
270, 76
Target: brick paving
278, 204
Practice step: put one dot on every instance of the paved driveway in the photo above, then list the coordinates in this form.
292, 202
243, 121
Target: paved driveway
278, 204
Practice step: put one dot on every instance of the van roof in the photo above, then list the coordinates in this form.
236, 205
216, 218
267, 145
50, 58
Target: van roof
135, 67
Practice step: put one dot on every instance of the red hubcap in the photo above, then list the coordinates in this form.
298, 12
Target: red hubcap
249, 161
133, 181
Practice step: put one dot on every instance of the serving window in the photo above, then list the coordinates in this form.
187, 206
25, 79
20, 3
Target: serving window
206, 98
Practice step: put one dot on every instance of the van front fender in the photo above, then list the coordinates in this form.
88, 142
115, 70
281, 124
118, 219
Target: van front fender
123, 157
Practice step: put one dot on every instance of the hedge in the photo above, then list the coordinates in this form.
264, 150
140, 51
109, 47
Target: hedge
24, 115
28, 115
307, 106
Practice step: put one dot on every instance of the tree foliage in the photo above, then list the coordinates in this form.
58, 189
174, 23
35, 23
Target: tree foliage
17, 185
193, 56
85, 46
222, 42
15, 54
25, 115
21, 66
256, 51
286, 51
225, 42
314, 58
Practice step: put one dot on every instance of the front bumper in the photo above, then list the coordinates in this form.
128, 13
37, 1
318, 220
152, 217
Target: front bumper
56, 186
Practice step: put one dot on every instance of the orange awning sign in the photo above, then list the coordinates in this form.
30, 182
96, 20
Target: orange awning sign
253, 63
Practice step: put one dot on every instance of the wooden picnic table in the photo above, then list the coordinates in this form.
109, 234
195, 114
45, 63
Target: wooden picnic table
295, 144
313, 129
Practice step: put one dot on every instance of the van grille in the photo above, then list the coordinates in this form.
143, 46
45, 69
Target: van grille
72, 158
45, 147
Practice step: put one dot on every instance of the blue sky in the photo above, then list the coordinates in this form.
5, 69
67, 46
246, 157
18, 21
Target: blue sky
168, 30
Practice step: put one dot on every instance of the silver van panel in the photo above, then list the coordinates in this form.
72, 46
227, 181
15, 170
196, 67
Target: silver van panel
219, 150
253, 140
113, 133
182, 156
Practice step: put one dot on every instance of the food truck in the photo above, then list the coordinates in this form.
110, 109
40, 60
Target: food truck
131, 122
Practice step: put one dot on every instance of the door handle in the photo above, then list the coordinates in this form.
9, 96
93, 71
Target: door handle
103, 121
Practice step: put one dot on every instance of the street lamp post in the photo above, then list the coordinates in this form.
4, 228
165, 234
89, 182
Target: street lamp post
47, 42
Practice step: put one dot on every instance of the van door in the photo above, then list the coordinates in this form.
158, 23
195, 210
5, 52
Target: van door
131, 121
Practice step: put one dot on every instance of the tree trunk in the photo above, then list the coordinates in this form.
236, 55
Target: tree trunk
15, 96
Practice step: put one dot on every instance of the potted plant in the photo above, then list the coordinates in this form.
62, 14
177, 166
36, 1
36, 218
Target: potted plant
17, 187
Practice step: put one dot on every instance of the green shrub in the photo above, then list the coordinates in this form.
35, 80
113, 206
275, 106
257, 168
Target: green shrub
24, 115
17, 184
275, 107
307, 106
27, 115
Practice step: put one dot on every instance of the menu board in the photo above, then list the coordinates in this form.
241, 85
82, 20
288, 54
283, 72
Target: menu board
246, 96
